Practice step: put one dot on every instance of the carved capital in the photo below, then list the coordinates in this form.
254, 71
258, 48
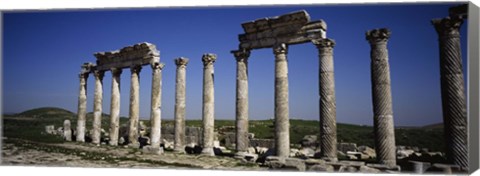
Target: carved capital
324, 43
83, 75
241, 55
209, 59
86, 67
448, 27
157, 65
116, 72
181, 61
377, 36
135, 69
99, 74
280, 49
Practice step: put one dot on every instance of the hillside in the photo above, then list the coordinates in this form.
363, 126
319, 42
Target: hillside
430, 136
46, 112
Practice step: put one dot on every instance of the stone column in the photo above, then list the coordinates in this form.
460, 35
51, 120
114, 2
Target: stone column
82, 107
156, 104
208, 104
241, 112
180, 83
382, 97
282, 124
67, 130
453, 92
115, 106
97, 106
134, 106
328, 108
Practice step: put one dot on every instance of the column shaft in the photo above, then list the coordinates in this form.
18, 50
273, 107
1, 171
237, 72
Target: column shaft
282, 124
156, 105
180, 85
328, 117
134, 106
208, 105
241, 110
82, 108
453, 91
382, 97
115, 106
97, 107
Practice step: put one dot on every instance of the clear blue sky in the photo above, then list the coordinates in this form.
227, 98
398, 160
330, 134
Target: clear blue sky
43, 52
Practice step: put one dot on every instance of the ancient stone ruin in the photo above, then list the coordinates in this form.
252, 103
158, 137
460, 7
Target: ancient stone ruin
278, 33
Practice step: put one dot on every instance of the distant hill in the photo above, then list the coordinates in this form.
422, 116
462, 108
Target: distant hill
47, 112
434, 126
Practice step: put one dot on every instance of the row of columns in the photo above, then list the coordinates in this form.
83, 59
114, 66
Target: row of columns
115, 105
207, 110
383, 118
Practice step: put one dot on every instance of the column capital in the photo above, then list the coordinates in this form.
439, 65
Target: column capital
449, 26
135, 69
116, 71
83, 75
281, 48
99, 74
324, 43
241, 55
157, 65
377, 36
181, 61
208, 58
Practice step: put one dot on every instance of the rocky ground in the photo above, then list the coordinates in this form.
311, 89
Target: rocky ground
70, 154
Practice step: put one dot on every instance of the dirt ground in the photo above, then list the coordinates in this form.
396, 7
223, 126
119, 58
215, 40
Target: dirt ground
71, 154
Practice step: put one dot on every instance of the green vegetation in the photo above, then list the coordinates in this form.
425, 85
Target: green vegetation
30, 125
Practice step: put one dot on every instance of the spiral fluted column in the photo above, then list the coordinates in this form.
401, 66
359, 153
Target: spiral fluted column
453, 92
382, 97
328, 112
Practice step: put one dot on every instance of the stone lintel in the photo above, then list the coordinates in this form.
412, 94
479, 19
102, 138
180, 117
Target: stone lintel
262, 24
138, 54
292, 34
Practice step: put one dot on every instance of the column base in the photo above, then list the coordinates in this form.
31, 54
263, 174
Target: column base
179, 150
208, 151
152, 150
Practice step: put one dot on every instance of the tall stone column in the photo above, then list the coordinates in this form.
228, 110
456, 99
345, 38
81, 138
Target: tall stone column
241, 112
134, 106
156, 104
82, 107
328, 107
453, 92
97, 106
180, 84
115, 106
208, 104
282, 124
382, 97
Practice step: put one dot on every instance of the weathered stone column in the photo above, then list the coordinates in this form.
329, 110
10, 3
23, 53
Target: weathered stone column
241, 112
97, 106
382, 97
156, 104
82, 105
328, 108
67, 130
134, 106
180, 83
453, 92
115, 106
208, 116
282, 124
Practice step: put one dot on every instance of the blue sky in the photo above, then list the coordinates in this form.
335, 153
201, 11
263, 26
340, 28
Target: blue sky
43, 51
